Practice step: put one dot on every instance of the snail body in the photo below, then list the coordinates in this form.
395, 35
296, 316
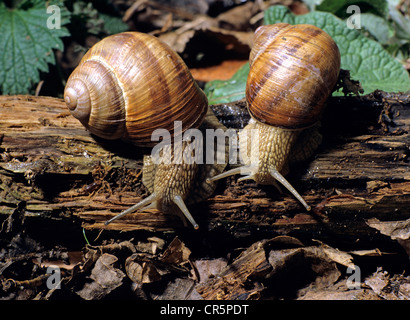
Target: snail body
293, 70
177, 182
127, 86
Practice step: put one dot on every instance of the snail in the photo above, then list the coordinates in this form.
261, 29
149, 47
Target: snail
293, 70
127, 86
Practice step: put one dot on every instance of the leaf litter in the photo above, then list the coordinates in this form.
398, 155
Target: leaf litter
154, 268
278, 268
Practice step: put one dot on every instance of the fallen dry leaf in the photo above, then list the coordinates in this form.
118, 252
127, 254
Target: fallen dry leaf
396, 287
208, 268
105, 278
238, 18
148, 268
310, 263
378, 281
212, 39
369, 253
397, 230
176, 253
393, 229
338, 256
222, 71
142, 269
177, 41
404, 291
264, 265
151, 246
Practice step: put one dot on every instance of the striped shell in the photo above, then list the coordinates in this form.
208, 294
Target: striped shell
293, 71
129, 84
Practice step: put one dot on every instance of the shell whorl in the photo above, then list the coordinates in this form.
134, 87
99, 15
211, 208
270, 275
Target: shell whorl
293, 69
130, 84
94, 97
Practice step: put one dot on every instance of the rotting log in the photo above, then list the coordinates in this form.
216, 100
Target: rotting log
360, 171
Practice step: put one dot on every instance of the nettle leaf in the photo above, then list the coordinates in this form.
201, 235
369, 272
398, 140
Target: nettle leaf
366, 59
27, 40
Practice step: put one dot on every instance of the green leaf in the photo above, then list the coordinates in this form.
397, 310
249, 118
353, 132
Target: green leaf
219, 91
378, 27
278, 13
311, 4
366, 59
338, 7
27, 43
401, 22
113, 24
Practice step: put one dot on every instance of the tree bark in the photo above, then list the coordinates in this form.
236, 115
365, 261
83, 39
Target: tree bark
57, 169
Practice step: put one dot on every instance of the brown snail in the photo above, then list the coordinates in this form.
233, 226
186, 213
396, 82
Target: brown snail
293, 70
127, 86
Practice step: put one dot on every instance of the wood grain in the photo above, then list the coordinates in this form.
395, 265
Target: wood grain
361, 170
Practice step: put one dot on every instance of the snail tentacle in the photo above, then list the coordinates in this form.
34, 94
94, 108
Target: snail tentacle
252, 176
181, 205
276, 174
143, 203
293, 70
225, 174
126, 87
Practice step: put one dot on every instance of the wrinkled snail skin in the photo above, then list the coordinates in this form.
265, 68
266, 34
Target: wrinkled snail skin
175, 184
127, 86
169, 185
293, 70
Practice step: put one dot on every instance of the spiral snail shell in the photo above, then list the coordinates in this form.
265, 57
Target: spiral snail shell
129, 84
293, 70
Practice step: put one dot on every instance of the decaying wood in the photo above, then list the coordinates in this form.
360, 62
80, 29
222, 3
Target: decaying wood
57, 169
262, 265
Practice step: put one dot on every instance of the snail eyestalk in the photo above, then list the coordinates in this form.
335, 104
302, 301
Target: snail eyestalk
251, 176
225, 174
147, 201
293, 70
276, 174
181, 205
152, 94
150, 202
